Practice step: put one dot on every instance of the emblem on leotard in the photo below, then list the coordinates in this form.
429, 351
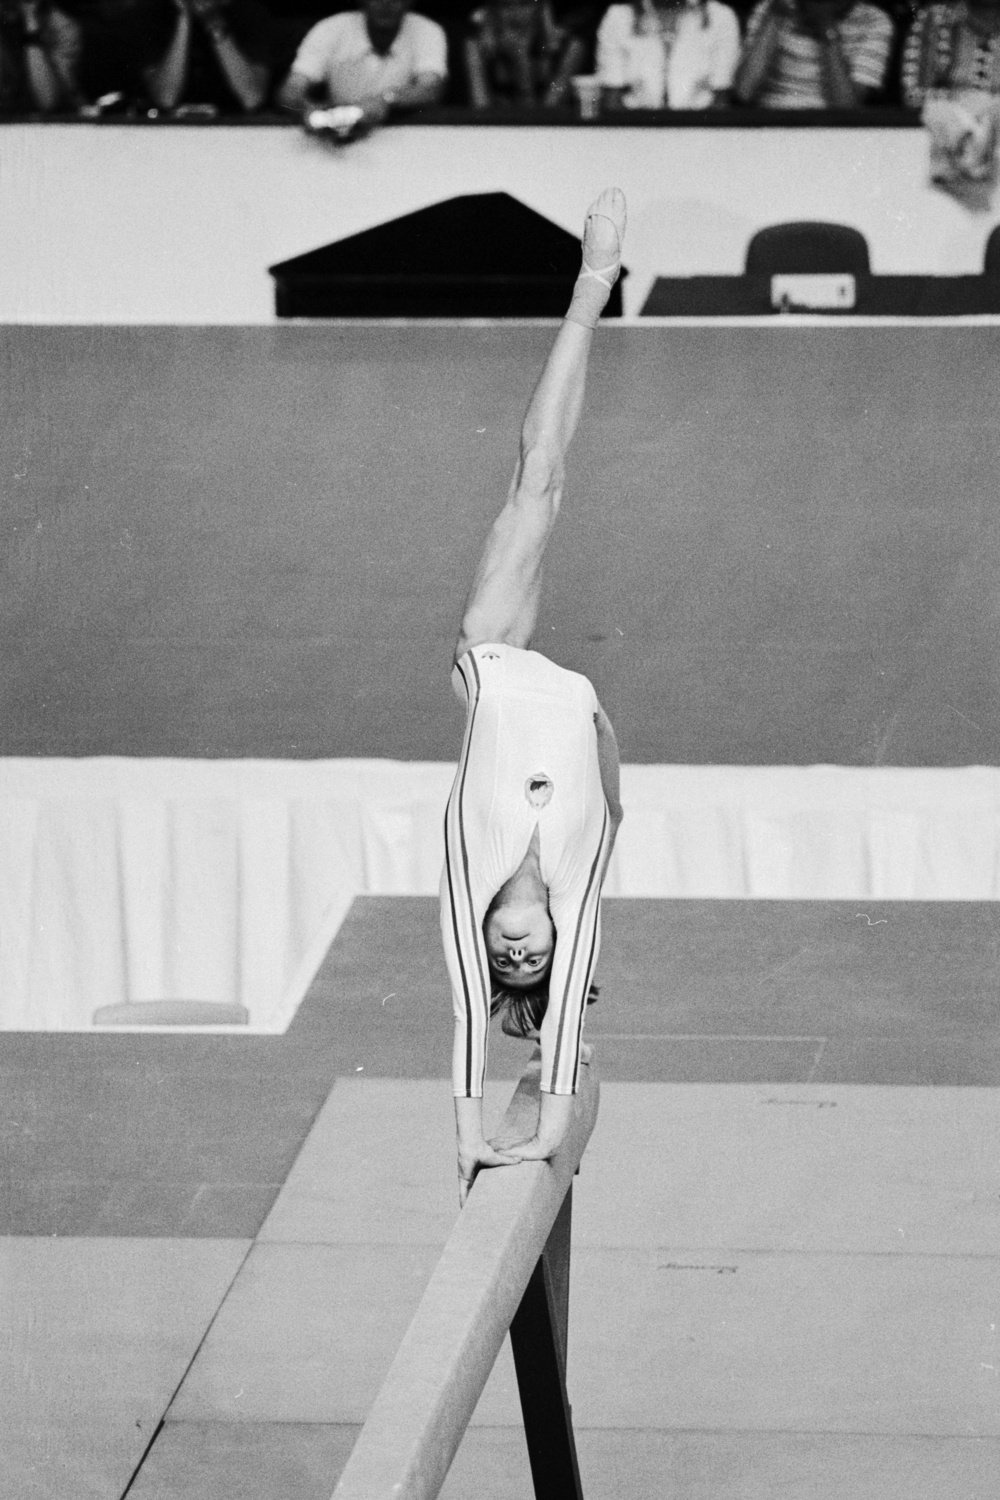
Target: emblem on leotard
491, 656
538, 790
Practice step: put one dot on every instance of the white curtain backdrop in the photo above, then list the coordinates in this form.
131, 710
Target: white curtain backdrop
227, 880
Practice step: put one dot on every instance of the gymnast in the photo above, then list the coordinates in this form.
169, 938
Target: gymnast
535, 809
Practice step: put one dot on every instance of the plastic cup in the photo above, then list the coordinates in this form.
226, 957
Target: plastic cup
587, 88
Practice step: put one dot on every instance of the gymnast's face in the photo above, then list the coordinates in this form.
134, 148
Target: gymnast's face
520, 941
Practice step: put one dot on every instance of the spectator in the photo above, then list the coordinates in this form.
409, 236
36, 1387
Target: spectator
951, 71
952, 46
172, 53
654, 54
39, 58
381, 58
517, 54
814, 54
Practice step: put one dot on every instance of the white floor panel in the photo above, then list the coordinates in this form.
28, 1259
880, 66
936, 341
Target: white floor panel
793, 1167
771, 1259
95, 1336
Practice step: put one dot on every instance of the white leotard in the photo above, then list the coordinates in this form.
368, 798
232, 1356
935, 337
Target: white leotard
529, 736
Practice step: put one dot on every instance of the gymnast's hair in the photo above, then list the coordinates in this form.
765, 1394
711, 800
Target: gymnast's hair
524, 1010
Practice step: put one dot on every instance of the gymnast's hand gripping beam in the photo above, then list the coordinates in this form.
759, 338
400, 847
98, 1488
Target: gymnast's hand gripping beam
506, 1262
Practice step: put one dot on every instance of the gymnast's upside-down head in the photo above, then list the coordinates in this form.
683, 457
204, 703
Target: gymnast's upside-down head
520, 943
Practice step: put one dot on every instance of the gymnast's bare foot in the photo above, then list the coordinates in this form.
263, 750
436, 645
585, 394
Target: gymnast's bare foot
603, 233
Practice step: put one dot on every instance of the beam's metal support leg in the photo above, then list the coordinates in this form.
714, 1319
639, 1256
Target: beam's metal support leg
538, 1334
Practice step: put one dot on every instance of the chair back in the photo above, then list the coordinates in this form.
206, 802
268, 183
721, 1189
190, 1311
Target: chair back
808, 247
991, 256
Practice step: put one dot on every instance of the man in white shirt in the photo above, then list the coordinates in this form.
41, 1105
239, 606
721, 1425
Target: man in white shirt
382, 58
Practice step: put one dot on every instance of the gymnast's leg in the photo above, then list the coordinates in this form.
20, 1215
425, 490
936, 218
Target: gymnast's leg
503, 602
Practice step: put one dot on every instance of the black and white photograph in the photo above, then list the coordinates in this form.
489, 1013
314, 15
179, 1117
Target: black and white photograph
500, 750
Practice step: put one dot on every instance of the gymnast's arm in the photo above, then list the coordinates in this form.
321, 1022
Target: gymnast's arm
556, 1110
474, 1150
468, 971
609, 761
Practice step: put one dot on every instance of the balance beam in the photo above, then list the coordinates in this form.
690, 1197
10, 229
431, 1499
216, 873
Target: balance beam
495, 1251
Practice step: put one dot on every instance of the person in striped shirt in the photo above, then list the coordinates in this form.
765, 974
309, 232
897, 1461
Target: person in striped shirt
534, 809
813, 54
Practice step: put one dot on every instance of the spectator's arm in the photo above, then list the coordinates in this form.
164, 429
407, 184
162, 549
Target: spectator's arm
423, 88
725, 54
430, 69
611, 63
570, 63
43, 85
51, 55
868, 59
763, 36
913, 85
480, 96
297, 92
306, 84
839, 89
852, 70
248, 80
165, 79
